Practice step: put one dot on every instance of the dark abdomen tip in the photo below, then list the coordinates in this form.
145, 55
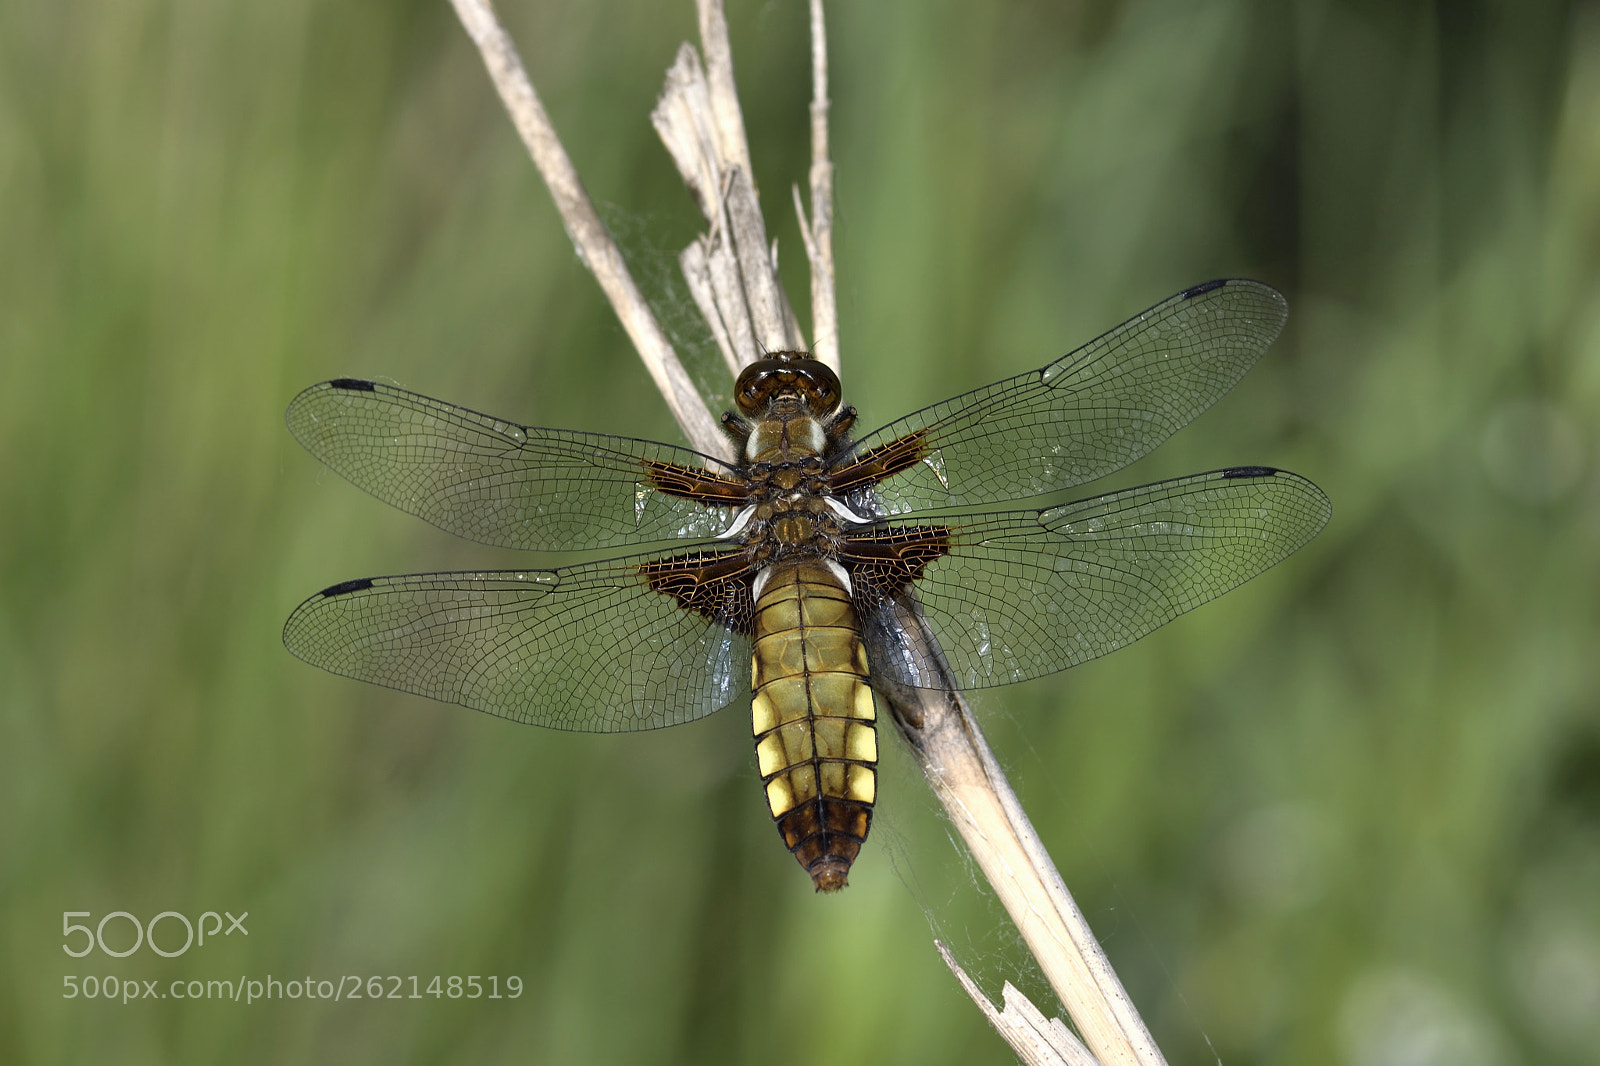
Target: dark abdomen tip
829, 874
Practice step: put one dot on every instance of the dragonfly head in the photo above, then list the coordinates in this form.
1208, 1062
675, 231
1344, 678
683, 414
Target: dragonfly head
783, 374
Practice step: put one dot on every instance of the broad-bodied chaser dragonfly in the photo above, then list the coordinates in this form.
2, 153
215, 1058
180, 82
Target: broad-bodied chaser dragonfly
791, 577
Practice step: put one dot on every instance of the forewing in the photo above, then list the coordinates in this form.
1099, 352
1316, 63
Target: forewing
510, 485
1083, 416
594, 648
1021, 594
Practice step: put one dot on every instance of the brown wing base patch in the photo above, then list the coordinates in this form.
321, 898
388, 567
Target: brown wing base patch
882, 564
689, 483
716, 585
872, 466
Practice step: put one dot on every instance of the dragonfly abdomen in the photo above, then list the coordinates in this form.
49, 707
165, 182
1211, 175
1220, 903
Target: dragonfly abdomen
813, 717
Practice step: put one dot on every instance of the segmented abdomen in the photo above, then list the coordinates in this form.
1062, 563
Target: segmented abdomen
812, 713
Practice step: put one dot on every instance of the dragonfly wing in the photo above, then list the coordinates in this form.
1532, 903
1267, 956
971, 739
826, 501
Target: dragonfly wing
1081, 417
510, 485
1017, 595
615, 646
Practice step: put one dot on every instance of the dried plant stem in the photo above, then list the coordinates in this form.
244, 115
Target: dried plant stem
818, 232
731, 269
1037, 1040
732, 274
986, 812
589, 236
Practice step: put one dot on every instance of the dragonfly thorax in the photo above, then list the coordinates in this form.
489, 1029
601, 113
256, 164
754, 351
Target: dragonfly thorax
786, 434
786, 444
790, 512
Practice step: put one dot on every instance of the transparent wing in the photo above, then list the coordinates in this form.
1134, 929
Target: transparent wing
1021, 594
1083, 416
592, 648
505, 484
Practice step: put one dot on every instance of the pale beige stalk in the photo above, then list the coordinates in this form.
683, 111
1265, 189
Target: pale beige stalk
1037, 1040
589, 236
817, 233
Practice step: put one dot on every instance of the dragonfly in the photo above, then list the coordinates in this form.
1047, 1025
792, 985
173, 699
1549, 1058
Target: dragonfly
796, 578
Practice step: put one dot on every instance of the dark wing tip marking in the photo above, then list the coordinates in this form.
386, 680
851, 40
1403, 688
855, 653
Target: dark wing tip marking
1250, 471
1203, 288
353, 385
343, 588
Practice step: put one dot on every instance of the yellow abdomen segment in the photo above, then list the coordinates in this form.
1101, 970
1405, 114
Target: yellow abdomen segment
812, 712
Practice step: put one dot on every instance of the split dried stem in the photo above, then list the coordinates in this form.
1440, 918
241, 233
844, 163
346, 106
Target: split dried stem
731, 269
1037, 1040
589, 235
732, 274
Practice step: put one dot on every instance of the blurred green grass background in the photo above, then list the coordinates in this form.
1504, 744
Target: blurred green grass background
1347, 814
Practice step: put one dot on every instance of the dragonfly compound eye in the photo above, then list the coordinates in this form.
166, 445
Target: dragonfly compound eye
788, 374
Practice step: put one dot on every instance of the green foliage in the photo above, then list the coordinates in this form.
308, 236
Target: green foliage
1346, 814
